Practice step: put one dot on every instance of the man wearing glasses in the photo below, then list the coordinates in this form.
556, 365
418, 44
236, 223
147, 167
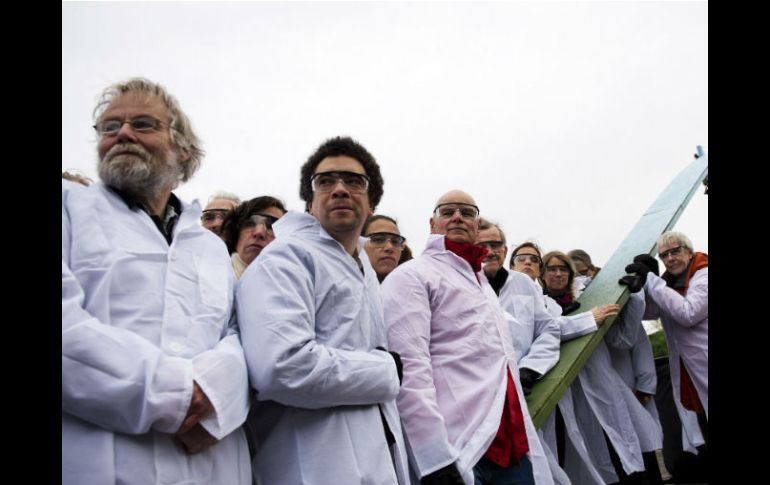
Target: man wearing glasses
154, 383
220, 204
314, 336
679, 297
463, 409
535, 332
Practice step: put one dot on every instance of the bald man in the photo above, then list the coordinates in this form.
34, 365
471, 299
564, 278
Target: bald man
461, 403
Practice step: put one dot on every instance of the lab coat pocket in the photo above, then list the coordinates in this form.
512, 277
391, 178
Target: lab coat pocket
213, 283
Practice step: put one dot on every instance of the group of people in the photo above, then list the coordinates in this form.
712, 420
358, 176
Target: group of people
246, 343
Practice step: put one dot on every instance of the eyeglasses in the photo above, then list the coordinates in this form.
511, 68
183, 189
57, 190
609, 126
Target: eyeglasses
211, 215
491, 245
671, 252
447, 211
523, 258
326, 181
142, 124
380, 239
256, 219
556, 269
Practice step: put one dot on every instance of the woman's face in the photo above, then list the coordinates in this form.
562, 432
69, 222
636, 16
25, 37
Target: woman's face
556, 275
256, 234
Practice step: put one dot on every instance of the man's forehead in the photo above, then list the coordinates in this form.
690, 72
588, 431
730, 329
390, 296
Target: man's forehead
491, 233
137, 101
220, 204
456, 197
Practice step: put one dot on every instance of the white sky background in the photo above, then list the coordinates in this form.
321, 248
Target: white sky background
564, 120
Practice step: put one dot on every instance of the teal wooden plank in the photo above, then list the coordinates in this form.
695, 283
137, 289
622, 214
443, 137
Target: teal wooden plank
659, 218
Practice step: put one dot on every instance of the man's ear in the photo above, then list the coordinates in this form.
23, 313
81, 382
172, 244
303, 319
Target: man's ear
184, 154
430, 222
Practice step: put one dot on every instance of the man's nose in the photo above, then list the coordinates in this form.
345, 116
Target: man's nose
126, 133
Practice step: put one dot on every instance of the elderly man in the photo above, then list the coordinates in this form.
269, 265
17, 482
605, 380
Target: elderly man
679, 297
536, 334
314, 336
463, 409
154, 383
220, 205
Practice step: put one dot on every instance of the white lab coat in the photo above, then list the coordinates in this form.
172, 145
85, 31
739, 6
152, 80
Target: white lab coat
686, 325
310, 322
140, 321
535, 332
456, 349
601, 397
632, 358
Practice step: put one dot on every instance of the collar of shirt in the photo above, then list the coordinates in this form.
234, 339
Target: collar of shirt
171, 215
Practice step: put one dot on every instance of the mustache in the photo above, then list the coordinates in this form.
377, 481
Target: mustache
132, 148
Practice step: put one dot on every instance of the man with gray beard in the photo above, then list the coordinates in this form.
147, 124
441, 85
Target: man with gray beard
154, 382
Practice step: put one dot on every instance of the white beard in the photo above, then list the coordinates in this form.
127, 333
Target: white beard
138, 173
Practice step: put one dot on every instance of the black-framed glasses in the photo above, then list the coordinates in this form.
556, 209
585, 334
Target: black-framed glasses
141, 124
556, 269
380, 239
211, 215
326, 181
446, 211
523, 258
670, 252
255, 220
491, 245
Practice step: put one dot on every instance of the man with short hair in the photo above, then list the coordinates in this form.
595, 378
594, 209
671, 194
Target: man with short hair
536, 334
314, 336
154, 383
220, 204
463, 410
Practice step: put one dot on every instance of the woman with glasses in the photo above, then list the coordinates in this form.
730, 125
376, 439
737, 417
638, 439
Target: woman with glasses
248, 229
385, 244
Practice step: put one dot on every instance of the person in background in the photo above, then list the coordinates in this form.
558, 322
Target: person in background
534, 330
384, 244
314, 336
220, 204
248, 229
154, 382
76, 177
461, 403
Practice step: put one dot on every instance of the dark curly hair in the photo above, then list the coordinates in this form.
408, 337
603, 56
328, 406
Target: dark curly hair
334, 147
231, 226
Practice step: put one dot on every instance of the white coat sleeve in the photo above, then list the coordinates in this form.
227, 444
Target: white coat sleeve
627, 329
408, 320
275, 304
221, 373
112, 377
574, 326
643, 361
544, 352
687, 310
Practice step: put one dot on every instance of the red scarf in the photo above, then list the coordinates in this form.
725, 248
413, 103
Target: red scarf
471, 253
687, 392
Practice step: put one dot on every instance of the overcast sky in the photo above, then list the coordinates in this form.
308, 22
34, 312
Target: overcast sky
564, 120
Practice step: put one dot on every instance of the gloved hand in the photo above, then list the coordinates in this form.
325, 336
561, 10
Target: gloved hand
648, 261
528, 378
443, 476
399, 365
635, 282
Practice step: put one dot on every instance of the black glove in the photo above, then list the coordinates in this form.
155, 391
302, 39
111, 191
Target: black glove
443, 476
399, 365
635, 282
528, 378
649, 261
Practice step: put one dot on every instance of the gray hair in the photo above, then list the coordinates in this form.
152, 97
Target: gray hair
182, 134
485, 224
673, 238
225, 195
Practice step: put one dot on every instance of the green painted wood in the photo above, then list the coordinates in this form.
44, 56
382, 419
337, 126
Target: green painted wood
659, 218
